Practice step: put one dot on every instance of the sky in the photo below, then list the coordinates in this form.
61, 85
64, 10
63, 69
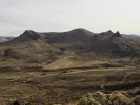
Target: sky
97, 16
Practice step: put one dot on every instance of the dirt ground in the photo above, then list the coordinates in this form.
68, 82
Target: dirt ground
64, 86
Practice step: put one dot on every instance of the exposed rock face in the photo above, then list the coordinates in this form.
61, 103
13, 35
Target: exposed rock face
81, 42
117, 34
31, 34
8, 52
109, 32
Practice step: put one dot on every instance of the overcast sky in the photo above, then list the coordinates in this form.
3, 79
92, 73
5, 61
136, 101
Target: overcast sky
16, 16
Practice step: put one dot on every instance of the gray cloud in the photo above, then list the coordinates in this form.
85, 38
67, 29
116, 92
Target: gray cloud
63, 15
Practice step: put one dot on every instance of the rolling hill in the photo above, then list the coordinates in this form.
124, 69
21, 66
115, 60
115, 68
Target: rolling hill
3, 39
136, 37
65, 49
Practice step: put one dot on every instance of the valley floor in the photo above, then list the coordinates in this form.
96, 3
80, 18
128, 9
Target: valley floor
64, 86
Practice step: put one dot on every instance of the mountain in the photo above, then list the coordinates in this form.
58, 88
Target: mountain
64, 48
136, 37
111, 44
82, 42
70, 37
3, 39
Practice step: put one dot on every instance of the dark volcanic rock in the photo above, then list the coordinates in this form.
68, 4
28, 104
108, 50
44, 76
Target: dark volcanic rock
31, 34
8, 52
117, 34
109, 32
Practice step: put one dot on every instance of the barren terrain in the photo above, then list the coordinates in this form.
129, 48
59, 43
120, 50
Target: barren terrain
61, 68
60, 87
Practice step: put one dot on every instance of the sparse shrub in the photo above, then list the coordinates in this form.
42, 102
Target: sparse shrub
115, 98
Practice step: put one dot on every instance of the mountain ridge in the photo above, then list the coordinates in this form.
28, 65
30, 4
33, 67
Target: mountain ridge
133, 36
79, 41
7, 38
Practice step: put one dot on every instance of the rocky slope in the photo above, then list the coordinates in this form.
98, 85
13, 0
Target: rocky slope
81, 41
78, 44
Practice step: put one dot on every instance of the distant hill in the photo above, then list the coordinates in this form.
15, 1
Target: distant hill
136, 37
3, 39
82, 42
34, 47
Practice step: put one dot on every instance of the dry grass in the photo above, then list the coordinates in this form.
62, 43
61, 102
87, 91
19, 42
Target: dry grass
114, 98
61, 88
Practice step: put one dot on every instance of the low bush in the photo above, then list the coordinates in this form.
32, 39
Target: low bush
115, 98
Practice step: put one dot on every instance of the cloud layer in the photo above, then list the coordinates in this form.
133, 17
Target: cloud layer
17, 16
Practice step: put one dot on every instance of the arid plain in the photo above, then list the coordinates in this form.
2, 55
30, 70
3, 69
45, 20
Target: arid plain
61, 68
